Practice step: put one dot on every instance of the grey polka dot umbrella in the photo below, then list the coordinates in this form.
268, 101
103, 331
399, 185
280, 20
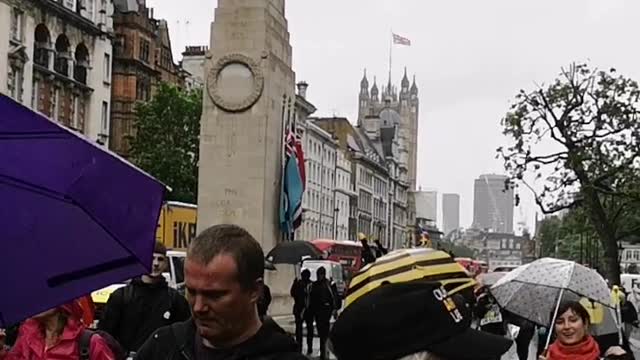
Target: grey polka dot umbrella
534, 290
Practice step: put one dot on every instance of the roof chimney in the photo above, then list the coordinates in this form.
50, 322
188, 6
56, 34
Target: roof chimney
302, 89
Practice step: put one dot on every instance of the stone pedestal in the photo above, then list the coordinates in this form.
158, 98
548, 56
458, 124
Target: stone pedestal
248, 74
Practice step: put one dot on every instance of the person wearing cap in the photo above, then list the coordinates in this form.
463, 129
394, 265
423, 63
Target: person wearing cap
135, 311
55, 334
411, 320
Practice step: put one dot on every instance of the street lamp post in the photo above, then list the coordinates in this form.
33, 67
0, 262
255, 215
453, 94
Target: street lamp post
335, 223
581, 239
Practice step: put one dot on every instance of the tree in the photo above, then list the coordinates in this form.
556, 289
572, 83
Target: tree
166, 141
548, 235
580, 138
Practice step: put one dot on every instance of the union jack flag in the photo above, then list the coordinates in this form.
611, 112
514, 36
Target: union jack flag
293, 182
397, 39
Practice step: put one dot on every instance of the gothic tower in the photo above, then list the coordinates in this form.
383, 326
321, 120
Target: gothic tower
401, 109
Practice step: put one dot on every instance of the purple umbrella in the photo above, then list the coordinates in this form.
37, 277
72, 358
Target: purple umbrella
74, 218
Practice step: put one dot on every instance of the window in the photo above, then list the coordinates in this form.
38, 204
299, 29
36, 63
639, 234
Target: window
55, 104
75, 117
103, 12
16, 24
178, 265
14, 81
144, 51
90, 6
143, 89
34, 94
120, 45
107, 68
104, 123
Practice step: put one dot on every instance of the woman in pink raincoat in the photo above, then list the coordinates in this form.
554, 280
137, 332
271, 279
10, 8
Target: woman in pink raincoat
55, 335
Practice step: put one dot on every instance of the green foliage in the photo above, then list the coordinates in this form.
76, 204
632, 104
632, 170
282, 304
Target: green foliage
579, 138
166, 141
570, 237
548, 234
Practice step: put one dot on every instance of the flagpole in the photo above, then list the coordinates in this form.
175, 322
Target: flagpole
390, 56
283, 159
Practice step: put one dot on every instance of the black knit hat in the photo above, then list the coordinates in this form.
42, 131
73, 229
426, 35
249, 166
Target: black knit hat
397, 320
159, 248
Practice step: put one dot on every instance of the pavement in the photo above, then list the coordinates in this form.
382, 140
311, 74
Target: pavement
288, 323
634, 342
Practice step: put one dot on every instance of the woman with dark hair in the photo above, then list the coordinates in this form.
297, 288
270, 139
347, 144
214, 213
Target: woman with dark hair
573, 341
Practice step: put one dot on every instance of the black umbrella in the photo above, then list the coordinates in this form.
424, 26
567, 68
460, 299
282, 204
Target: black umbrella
269, 266
293, 252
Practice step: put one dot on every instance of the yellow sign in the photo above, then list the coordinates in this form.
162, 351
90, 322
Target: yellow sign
177, 225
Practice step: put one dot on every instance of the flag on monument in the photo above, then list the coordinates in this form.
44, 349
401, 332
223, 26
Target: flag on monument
400, 40
300, 154
292, 187
297, 218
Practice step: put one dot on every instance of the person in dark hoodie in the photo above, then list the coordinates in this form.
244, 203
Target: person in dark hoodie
224, 271
380, 250
323, 304
135, 311
301, 293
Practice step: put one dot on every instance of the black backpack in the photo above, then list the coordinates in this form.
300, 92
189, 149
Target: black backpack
113, 344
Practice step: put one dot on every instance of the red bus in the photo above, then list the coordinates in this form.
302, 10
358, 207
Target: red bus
347, 253
466, 263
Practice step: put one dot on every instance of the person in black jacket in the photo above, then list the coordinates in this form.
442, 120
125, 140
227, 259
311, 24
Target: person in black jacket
301, 294
323, 305
367, 254
380, 249
135, 311
224, 272
264, 301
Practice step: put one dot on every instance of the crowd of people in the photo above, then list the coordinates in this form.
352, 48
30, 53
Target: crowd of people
223, 317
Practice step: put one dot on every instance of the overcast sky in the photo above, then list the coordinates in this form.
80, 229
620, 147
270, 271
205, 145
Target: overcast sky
470, 58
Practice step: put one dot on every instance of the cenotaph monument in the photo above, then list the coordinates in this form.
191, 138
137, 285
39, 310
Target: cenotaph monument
248, 76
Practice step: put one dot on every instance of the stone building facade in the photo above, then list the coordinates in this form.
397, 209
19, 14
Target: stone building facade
326, 202
142, 59
371, 187
55, 57
193, 59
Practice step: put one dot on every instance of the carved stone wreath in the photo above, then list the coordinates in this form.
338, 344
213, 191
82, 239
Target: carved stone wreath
215, 91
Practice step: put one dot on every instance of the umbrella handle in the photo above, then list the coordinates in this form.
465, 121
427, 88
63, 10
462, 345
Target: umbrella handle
553, 321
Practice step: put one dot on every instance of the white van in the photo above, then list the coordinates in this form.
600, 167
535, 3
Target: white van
334, 271
175, 275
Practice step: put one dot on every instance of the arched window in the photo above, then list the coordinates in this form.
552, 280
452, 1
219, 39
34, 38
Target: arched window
42, 46
63, 55
82, 64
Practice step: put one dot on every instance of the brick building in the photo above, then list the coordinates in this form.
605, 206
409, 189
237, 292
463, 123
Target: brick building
142, 59
55, 57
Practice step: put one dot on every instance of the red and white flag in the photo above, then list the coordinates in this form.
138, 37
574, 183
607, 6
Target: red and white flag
397, 39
